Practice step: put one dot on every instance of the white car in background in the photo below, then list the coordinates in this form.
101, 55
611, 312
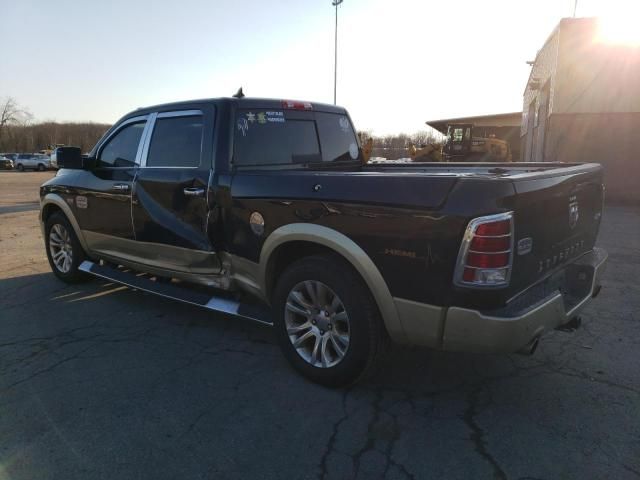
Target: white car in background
32, 161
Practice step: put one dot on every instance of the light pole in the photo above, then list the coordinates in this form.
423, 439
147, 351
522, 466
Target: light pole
335, 3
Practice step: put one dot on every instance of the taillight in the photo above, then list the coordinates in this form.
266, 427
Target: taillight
486, 253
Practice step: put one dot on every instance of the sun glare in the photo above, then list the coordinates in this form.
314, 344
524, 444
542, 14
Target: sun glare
619, 25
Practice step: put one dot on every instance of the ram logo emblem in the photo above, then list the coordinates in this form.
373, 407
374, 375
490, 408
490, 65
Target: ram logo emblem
574, 211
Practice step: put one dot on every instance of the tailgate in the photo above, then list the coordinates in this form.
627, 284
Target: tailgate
557, 218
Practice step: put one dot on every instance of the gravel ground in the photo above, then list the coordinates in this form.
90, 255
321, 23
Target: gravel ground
98, 381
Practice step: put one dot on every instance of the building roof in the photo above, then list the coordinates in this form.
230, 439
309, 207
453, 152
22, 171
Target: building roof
496, 120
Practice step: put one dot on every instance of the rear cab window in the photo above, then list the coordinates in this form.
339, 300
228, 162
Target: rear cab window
270, 137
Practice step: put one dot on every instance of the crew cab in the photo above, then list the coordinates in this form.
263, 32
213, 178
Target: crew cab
265, 209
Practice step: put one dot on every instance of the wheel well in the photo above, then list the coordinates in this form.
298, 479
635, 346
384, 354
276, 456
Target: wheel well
49, 209
290, 252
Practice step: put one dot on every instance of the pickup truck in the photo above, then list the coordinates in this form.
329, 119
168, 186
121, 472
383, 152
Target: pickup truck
265, 209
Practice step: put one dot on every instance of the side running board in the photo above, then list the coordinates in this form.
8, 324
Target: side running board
217, 304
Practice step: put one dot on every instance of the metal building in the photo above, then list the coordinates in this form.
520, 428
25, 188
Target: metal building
582, 103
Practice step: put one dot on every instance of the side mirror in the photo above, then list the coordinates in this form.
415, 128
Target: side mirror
71, 157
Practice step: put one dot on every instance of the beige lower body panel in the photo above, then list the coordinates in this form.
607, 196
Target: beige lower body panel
422, 323
462, 329
155, 255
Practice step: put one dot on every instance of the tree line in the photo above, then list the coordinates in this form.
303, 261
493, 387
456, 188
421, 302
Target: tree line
20, 134
396, 146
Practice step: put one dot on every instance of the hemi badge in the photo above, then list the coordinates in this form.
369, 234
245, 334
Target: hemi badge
525, 245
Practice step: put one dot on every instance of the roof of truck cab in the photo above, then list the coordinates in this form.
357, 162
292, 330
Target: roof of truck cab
246, 102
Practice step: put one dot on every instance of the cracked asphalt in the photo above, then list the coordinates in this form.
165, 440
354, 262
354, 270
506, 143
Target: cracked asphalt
98, 381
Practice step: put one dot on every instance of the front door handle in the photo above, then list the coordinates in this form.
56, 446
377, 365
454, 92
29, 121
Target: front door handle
120, 187
194, 192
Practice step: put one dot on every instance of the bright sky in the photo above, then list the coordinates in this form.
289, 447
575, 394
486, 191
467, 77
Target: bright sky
400, 62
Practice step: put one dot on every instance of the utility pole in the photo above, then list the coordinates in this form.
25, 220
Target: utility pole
335, 3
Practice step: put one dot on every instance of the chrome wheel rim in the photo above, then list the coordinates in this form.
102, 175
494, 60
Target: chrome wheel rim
60, 248
317, 324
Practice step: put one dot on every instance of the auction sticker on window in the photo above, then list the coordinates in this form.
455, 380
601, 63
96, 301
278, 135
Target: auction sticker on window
275, 117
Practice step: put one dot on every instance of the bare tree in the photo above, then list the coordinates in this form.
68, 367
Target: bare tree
11, 114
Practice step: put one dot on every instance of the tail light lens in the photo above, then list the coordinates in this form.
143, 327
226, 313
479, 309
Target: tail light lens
486, 254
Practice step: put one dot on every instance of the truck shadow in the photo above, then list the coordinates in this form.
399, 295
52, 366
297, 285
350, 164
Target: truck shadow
43, 299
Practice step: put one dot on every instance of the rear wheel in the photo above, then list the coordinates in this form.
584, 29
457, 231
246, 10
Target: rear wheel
20, 167
41, 168
326, 321
64, 252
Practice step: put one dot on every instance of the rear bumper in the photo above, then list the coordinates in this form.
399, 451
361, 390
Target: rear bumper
541, 308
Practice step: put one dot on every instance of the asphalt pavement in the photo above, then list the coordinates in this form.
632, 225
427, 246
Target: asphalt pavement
101, 382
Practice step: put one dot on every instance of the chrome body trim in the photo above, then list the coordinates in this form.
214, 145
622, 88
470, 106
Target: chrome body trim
465, 249
147, 140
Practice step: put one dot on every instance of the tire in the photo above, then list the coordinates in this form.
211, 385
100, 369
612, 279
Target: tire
20, 167
41, 168
56, 226
363, 324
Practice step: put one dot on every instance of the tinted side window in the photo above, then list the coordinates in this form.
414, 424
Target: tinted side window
337, 137
176, 142
269, 138
121, 149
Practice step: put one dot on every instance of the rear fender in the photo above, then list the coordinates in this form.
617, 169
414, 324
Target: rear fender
351, 252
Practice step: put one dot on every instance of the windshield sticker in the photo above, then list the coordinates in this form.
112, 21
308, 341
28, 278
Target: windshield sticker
275, 117
262, 119
251, 117
344, 124
243, 126
353, 150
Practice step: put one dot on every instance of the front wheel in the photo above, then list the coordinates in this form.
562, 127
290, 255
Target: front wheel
41, 168
64, 252
326, 321
20, 167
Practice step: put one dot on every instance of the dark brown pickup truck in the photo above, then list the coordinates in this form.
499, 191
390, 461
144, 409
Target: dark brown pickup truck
264, 209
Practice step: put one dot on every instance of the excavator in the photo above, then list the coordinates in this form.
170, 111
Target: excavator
462, 146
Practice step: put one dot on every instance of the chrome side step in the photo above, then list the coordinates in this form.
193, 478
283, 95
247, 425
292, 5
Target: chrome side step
219, 304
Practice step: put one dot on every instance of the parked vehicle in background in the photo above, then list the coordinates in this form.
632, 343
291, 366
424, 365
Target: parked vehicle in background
270, 205
6, 163
32, 161
10, 156
54, 157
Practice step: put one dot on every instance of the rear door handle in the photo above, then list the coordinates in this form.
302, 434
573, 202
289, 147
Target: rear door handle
121, 187
194, 192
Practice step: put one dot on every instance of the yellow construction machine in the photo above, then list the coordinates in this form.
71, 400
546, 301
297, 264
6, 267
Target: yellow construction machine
429, 153
462, 146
